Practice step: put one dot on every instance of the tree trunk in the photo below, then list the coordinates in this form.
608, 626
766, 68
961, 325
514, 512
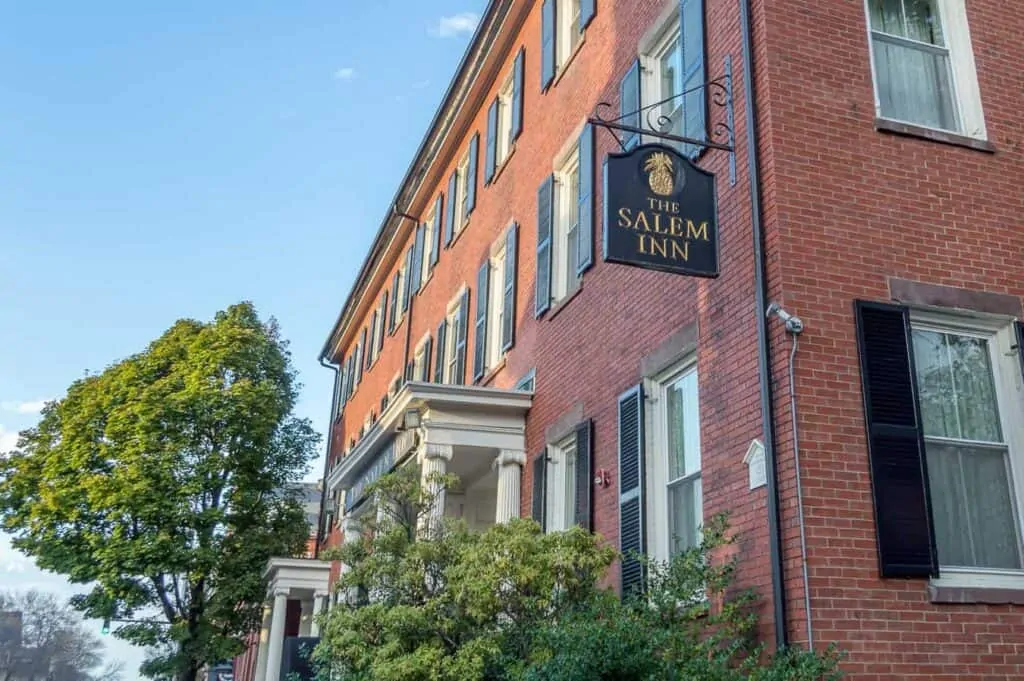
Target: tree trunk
189, 673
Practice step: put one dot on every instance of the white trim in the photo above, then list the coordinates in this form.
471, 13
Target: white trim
567, 30
564, 279
503, 131
560, 484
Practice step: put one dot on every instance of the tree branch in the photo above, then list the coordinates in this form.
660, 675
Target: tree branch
161, 591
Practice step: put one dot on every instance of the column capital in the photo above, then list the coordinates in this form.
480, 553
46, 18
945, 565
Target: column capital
321, 594
432, 450
279, 591
510, 457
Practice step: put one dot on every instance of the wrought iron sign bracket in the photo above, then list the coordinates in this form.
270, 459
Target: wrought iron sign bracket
721, 135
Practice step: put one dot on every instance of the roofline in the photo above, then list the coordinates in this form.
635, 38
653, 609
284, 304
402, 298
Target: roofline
487, 28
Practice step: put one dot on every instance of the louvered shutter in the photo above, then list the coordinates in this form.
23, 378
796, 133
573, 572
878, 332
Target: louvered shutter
508, 307
383, 315
491, 152
517, 93
694, 104
1019, 328
461, 328
427, 349
629, 104
587, 10
393, 313
442, 328
547, 44
435, 251
474, 151
585, 201
899, 472
407, 280
631, 489
538, 502
584, 476
449, 221
416, 279
542, 297
483, 278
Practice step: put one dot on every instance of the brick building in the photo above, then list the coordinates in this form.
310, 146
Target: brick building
873, 190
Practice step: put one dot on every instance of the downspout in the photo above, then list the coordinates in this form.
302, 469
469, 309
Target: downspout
327, 456
763, 346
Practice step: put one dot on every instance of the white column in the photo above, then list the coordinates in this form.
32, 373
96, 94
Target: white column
510, 480
435, 462
349, 532
261, 654
319, 603
275, 647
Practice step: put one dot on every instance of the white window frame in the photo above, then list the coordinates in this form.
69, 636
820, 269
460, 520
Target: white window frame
560, 485
1009, 387
564, 278
393, 386
461, 215
495, 303
568, 35
450, 332
403, 281
503, 142
428, 249
963, 70
652, 49
419, 358
659, 539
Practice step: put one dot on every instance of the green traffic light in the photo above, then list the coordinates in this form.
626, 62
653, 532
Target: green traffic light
105, 629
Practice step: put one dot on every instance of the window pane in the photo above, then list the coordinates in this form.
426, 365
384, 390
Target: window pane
685, 503
972, 506
956, 386
671, 77
914, 85
913, 19
569, 510
683, 423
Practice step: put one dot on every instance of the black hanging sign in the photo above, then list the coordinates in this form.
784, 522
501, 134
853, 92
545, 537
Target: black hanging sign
660, 212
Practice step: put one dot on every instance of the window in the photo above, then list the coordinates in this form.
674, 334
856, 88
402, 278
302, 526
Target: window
565, 233
421, 360
495, 305
567, 16
461, 195
428, 248
923, 64
451, 342
663, 63
676, 498
450, 355
504, 139
964, 384
560, 504
528, 383
398, 313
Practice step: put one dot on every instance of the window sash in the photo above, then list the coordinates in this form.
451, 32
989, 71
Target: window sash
565, 229
451, 357
560, 509
495, 309
428, 247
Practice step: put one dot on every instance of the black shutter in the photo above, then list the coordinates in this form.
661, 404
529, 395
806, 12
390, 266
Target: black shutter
417, 261
373, 340
410, 371
474, 151
449, 221
435, 251
508, 308
631, 489
428, 347
899, 472
491, 152
393, 313
517, 94
439, 359
585, 202
542, 298
629, 104
1019, 328
483, 278
407, 281
587, 10
461, 327
383, 316
584, 476
539, 502
547, 44
694, 105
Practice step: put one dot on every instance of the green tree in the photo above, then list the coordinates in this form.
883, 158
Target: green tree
160, 483
515, 604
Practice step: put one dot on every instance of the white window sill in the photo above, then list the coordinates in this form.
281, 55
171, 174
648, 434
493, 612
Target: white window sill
989, 586
934, 134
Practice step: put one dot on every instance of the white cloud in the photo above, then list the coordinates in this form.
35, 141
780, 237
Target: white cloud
462, 23
8, 439
345, 73
31, 407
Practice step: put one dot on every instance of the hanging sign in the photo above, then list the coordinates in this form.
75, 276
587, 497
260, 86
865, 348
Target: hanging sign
660, 212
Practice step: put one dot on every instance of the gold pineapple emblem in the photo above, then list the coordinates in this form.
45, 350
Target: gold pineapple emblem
658, 167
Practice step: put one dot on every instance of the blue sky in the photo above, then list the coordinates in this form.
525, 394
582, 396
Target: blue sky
161, 160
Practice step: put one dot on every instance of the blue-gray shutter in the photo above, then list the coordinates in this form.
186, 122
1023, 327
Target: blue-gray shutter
694, 105
538, 503
631, 489
360, 351
899, 471
427, 349
542, 292
491, 153
585, 202
383, 316
416, 281
373, 340
407, 284
587, 10
584, 483
629, 104
483, 279
461, 329
474, 151
393, 312
439, 357
343, 396
449, 221
435, 251
1019, 328
547, 44
508, 325
517, 94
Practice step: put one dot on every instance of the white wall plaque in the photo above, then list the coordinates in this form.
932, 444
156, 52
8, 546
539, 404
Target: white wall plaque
755, 465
